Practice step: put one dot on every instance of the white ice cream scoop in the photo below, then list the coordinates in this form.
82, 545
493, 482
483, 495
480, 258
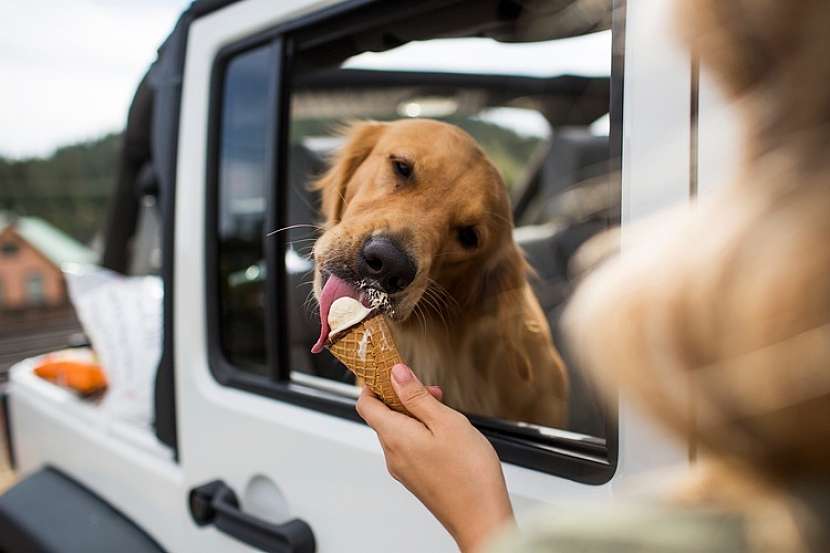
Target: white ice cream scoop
344, 313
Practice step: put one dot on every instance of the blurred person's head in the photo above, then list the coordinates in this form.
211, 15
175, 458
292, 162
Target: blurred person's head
727, 302
772, 55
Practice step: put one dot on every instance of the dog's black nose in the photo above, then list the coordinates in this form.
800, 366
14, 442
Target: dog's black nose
385, 262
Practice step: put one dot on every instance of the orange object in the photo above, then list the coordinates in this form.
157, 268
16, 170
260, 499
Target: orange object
84, 378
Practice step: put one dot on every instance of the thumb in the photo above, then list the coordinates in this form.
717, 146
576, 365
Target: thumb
415, 397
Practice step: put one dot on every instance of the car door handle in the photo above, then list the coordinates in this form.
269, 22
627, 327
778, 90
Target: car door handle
215, 503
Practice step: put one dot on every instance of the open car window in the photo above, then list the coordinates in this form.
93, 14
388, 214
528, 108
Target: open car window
531, 106
535, 98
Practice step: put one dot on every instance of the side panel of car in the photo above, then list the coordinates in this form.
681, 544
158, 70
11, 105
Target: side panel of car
324, 470
655, 174
124, 466
329, 471
718, 137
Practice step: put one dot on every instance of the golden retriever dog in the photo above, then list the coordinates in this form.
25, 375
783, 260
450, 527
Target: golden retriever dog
720, 323
418, 222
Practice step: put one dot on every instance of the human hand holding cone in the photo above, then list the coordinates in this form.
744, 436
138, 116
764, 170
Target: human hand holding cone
362, 340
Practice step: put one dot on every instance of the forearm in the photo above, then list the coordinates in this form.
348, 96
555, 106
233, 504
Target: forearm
474, 535
442, 459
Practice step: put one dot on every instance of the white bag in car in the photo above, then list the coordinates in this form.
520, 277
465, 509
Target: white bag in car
122, 317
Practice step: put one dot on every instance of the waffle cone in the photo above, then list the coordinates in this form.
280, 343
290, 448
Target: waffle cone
368, 350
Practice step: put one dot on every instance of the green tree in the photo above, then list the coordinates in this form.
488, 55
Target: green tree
70, 189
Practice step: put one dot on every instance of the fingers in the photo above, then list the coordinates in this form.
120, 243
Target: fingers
380, 417
417, 399
370, 408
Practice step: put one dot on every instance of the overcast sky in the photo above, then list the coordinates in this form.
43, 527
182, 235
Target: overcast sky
583, 55
70, 67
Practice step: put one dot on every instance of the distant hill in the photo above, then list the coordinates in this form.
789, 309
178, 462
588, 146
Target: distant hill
70, 189
508, 150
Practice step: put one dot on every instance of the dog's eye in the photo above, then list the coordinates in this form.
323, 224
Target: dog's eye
402, 168
467, 237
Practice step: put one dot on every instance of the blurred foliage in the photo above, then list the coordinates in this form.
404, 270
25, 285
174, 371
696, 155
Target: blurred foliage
70, 189
509, 150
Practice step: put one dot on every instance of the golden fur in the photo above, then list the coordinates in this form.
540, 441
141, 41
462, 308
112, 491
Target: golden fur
469, 322
729, 299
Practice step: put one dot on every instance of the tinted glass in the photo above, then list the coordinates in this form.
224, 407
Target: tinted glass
241, 208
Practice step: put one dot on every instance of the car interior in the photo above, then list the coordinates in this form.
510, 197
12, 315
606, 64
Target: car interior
562, 199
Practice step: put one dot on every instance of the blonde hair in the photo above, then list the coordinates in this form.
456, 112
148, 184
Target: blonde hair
729, 299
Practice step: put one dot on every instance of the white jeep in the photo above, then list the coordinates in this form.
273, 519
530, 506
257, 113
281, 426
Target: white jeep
594, 114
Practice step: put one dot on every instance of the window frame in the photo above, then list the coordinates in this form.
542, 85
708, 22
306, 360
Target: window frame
563, 454
35, 295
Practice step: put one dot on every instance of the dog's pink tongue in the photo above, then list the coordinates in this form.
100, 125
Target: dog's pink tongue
333, 289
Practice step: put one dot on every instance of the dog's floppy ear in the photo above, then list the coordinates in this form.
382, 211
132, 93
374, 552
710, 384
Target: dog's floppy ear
507, 283
500, 291
360, 141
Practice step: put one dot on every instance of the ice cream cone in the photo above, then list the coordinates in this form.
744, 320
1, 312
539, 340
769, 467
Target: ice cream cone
369, 351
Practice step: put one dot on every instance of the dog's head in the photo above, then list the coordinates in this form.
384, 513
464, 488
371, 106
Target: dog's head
415, 214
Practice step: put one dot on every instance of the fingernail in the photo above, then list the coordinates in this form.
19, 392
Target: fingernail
401, 373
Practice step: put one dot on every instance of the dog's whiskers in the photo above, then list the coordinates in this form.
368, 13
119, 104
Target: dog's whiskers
500, 217
419, 314
444, 294
310, 304
290, 227
430, 303
437, 300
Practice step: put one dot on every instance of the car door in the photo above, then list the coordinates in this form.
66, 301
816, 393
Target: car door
277, 427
